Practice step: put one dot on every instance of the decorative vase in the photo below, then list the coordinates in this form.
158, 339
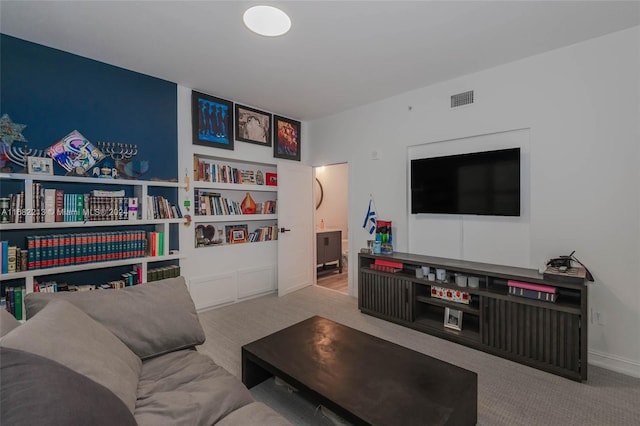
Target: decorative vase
248, 206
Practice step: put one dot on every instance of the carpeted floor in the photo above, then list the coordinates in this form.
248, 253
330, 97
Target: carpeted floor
508, 393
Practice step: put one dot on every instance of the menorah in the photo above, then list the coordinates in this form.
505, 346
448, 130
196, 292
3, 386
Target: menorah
18, 155
118, 151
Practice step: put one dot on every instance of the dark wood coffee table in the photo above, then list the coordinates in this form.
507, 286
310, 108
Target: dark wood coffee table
362, 378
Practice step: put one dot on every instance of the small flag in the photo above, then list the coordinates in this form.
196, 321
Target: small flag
370, 219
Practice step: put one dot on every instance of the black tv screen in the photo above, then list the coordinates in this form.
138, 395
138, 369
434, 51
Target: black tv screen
480, 183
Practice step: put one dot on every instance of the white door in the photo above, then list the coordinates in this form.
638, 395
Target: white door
295, 215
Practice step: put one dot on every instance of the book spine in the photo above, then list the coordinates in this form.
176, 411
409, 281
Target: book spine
55, 250
79, 207
532, 294
132, 208
49, 205
59, 205
530, 286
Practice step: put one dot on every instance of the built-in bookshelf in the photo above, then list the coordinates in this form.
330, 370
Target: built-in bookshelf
234, 202
220, 270
99, 232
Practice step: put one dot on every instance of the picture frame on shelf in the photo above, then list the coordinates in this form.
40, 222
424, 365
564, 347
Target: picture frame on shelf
237, 234
212, 121
286, 138
253, 125
40, 166
453, 319
271, 179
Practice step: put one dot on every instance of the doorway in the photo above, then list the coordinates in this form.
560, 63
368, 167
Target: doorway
331, 218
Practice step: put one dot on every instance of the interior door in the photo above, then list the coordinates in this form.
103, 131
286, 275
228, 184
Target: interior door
295, 216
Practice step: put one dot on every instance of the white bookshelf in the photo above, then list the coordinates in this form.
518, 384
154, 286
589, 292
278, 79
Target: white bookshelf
140, 189
225, 273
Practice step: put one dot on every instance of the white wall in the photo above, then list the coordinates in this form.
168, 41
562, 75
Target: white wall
580, 106
333, 209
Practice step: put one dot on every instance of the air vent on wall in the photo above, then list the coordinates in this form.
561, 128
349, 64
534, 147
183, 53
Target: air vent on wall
461, 99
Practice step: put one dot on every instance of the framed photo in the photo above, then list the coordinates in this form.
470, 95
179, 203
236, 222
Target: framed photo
211, 121
252, 125
286, 138
453, 319
40, 165
272, 179
236, 233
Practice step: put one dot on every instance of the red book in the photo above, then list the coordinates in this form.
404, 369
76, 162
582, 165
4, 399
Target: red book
389, 263
154, 242
530, 286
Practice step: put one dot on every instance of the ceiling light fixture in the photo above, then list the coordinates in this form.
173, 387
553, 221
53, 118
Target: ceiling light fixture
267, 21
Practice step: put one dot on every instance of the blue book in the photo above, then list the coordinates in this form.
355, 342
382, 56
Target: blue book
5, 257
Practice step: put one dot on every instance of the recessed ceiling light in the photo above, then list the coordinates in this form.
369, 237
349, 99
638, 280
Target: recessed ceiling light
267, 21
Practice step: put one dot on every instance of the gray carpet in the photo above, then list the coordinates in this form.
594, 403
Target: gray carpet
508, 393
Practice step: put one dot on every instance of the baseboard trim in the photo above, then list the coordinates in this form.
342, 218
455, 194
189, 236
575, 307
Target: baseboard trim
615, 363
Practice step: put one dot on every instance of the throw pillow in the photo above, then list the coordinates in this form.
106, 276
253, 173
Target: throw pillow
151, 319
34, 388
7, 322
63, 333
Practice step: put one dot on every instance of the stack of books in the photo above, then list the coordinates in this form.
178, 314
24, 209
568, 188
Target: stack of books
533, 291
386, 266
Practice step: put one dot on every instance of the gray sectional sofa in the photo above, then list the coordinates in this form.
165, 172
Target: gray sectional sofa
117, 357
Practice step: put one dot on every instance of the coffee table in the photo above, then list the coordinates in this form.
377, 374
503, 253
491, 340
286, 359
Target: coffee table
364, 379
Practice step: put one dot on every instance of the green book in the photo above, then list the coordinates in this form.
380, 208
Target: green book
80, 207
17, 295
160, 251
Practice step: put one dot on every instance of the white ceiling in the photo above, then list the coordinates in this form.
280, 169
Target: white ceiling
338, 54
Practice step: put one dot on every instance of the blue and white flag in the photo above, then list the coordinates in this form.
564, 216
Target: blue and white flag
370, 219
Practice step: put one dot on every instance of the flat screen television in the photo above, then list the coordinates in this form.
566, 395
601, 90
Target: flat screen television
478, 183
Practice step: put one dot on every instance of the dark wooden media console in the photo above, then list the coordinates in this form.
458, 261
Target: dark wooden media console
364, 379
545, 335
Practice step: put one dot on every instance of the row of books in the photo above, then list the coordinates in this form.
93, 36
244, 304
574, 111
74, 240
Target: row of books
13, 302
12, 258
12, 208
49, 251
533, 291
160, 208
156, 274
213, 203
264, 233
205, 171
54, 205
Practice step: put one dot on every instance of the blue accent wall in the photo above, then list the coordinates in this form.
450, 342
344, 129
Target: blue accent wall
55, 92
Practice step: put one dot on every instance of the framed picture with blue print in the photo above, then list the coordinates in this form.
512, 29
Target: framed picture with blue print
212, 121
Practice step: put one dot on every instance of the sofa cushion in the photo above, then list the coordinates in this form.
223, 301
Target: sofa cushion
189, 386
7, 322
162, 311
34, 388
65, 334
255, 413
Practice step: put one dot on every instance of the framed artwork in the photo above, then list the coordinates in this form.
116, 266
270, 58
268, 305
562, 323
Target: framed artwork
271, 179
236, 233
286, 138
453, 319
252, 125
75, 153
211, 121
40, 165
